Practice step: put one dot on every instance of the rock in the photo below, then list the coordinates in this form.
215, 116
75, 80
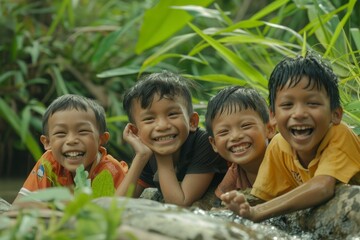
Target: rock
174, 222
339, 218
4, 205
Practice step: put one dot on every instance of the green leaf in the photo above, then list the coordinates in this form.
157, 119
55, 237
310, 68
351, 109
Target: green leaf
82, 183
162, 21
243, 68
49, 194
103, 185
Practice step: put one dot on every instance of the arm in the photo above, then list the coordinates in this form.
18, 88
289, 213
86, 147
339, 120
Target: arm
314, 192
185, 193
142, 156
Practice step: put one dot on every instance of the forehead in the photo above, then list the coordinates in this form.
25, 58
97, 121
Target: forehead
177, 99
71, 117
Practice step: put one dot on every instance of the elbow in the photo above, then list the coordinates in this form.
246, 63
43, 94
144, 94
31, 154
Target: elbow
326, 188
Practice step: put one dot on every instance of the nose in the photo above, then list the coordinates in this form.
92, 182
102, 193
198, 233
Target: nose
299, 111
72, 139
236, 134
162, 124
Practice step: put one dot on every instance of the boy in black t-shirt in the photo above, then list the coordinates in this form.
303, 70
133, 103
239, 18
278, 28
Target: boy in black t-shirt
171, 151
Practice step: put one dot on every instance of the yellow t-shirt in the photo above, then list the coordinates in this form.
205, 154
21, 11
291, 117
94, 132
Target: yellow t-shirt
338, 156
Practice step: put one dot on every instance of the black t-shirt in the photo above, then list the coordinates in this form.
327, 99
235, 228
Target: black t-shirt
196, 156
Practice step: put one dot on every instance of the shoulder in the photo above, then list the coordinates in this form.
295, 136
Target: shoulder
112, 164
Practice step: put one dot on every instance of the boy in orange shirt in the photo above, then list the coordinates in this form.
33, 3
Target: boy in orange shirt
314, 149
237, 120
74, 132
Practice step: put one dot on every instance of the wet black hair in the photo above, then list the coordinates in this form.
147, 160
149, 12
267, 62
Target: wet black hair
166, 84
232, 99
81, 103
291, 70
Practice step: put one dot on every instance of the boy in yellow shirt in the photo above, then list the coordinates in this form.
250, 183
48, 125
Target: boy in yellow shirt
314, 149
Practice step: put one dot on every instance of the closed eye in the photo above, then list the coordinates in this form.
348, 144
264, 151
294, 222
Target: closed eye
148, 120
247, 125
222, 133
174, 114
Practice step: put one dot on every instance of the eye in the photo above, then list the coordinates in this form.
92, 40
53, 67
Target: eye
148, 120
314, 104
84, 131
222, 132
174, 114
247, 125
59, 134
286, 105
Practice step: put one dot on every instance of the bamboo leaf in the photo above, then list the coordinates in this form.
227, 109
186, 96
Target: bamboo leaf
162, 21
240, 66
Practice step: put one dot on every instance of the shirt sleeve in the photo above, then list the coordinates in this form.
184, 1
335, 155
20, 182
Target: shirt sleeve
36, 180
273, 179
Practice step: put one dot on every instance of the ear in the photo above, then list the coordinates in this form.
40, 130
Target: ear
212, 142
270, 129
272, 121
133, 128
45, 141
194, 121
104, 138
336, 115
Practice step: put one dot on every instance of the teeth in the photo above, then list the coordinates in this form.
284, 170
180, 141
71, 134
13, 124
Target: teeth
165, 138
240, 148
73, 154
301, 128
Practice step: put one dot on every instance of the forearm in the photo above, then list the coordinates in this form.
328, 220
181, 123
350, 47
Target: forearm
170, 186
132, 175
312, 193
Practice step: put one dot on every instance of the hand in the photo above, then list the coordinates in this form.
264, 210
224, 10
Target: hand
237, 203
130, 136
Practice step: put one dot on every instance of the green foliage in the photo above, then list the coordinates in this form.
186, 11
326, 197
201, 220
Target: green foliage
104, 178
246, 51
99, 48
69, 215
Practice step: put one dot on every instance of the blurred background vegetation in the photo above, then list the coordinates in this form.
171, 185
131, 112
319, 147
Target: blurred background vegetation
99, 49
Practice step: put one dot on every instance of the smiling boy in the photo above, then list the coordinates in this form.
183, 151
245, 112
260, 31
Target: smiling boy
171, 152
74, 133
314, 149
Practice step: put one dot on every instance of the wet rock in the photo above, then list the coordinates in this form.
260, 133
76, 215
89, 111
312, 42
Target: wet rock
175, 222
339, 218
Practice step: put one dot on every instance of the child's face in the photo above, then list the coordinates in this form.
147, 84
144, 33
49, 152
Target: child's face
74, 138
165, 125
241, 137
303, 117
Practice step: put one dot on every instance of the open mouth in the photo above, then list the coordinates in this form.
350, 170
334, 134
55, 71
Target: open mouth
74, 154
165, 138
301, 130
240, 148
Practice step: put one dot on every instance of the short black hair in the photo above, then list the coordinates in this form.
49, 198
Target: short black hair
232, 99
72, 101
165, 84
291, 70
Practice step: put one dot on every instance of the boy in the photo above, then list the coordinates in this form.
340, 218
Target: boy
171, 152
237, 120
74, 132
314, 149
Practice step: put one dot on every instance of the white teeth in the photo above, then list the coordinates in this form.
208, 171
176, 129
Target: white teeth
165, 138
240, 148
301, 127
73, 154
